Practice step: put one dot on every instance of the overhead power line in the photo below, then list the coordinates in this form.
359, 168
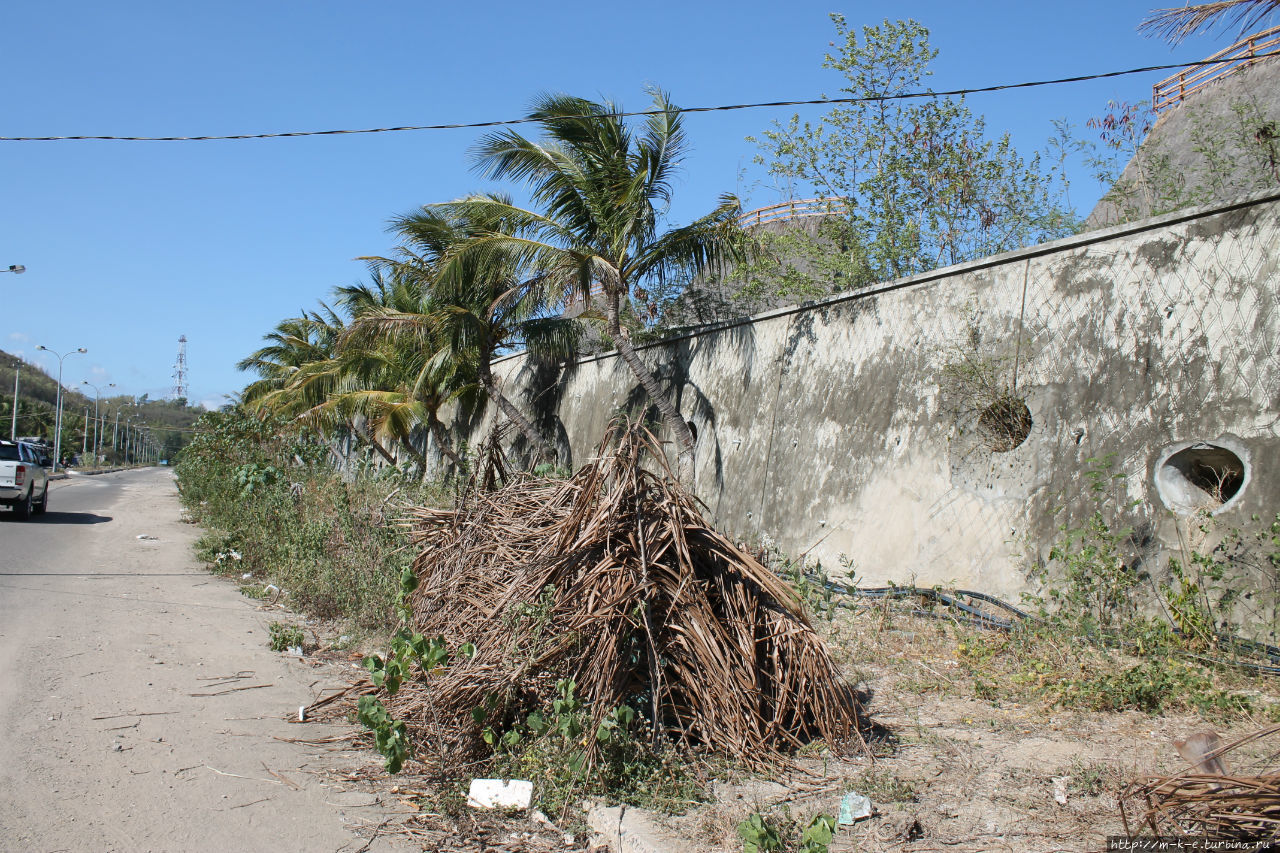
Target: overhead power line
626, 114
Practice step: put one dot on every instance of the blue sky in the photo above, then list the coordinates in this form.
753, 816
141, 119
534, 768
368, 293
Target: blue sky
129, 244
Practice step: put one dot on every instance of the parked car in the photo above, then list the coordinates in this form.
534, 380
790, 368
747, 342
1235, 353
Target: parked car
24, 478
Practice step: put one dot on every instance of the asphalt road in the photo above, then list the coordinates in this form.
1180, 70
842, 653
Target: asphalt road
124, 719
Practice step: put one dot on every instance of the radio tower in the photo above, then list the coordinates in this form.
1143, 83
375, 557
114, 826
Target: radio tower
180, 371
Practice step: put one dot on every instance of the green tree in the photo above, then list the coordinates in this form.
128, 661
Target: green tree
394, 370
295, 342
298, 372
470, 306
912, 183
600, 188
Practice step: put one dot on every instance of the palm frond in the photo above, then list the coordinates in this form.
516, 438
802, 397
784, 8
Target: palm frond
1179, 24
708, 243
661, 146
551, 337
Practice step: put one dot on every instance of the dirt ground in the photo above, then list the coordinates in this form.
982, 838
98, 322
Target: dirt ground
140, 707
959, 773
951, 772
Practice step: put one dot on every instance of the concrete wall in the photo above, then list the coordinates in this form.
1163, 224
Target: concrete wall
833, 429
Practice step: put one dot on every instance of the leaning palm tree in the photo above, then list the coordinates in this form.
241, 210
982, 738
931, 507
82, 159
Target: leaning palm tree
472, 306
602, 189
398, 378
1177, 25
395, 391
295, 341
298, 372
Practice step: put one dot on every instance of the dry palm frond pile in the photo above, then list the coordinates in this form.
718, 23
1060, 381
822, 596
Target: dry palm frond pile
1228, 806
614, 579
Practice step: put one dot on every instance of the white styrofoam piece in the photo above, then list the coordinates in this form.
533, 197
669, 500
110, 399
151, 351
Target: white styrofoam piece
500, 794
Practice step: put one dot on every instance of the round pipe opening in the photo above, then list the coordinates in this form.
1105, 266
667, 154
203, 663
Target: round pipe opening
1201, 477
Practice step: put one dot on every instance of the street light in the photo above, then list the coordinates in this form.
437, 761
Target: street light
57, 420
138, 448
115, 438
19, 269
97, 435
128, 438
13, 428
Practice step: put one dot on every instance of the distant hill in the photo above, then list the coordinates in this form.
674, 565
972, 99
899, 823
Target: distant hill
170, 422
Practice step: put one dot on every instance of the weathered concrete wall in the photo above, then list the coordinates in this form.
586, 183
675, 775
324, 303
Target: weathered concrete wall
834, 430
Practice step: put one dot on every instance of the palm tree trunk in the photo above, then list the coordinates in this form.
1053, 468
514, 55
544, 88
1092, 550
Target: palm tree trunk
544, 449
670, 415
421, 457
373, 442
442, 441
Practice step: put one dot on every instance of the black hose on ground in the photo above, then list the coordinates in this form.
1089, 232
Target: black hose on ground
976, 618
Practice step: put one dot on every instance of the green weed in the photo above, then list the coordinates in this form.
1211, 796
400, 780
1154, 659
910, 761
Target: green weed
407, 650
1094, 779
883, 786
296, 523
390, 737
284, 637
551, 745
761, 833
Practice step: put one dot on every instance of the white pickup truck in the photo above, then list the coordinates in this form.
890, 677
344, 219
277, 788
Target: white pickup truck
24, 480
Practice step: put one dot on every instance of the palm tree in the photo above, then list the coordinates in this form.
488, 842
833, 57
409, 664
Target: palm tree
471, 308
602, 190
399, 380
298, 372
394, 390
296, 341
1177, 25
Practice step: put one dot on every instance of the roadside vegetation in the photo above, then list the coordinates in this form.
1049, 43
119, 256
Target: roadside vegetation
1099, 638
276, 514
1101, 633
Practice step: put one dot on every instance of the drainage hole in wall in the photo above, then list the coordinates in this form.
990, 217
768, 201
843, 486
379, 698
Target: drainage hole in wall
1006, 423
693, 429
1203, 476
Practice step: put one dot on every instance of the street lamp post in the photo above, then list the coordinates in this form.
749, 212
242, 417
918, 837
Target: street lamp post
57, 420
139, 445
13, 428
18, 269
97, 434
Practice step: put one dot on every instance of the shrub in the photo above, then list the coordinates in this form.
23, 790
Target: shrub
273, 509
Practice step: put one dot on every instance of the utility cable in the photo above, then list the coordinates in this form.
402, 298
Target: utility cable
902, 96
